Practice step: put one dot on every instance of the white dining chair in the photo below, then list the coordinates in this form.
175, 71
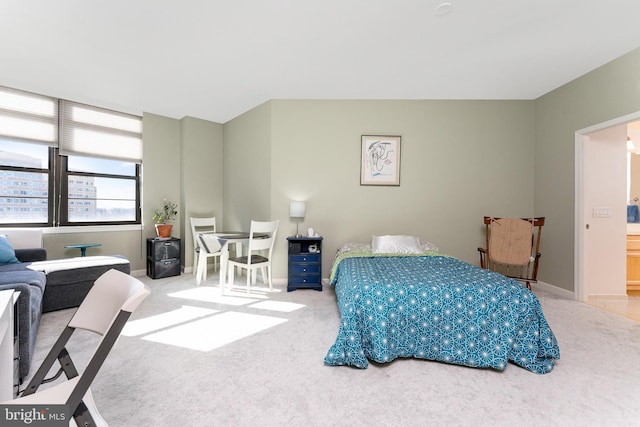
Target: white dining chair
202, 225
259, 253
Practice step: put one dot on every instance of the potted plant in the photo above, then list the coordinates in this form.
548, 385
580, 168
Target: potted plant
163, 216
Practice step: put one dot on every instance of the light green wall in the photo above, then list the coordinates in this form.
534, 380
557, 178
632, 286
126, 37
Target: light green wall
608, 92
247, 168
161, 168
130, 244
202, 176
461, 160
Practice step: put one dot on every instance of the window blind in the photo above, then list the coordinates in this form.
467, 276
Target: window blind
97, 132
27, 116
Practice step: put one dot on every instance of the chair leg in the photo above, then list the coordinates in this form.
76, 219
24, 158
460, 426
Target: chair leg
230, 273
82, 416
263, 272
195, 262
249, 275
202, 270
93, 412
238, 251
57, 353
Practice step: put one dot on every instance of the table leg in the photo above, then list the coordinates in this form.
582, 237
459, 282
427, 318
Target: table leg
224, 259
83, 251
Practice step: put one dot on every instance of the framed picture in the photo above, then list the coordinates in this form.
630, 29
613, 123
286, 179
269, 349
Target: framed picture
380, 162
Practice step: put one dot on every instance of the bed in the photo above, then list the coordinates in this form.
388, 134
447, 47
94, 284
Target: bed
421, 303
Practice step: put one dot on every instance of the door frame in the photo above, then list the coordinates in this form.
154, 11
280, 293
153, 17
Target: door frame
581, 241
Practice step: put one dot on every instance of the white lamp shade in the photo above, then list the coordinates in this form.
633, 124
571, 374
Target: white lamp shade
296, 209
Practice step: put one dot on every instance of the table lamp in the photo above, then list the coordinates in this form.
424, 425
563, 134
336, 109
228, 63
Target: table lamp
297, 210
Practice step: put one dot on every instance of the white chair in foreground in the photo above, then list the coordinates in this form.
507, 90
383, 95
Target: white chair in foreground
202, 225
261, 239
105, 310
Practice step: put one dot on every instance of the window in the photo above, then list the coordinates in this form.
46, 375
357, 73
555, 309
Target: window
94, 164
28, 133
100, 190
100, 165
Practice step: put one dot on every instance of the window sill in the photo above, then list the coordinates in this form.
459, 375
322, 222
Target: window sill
92, 229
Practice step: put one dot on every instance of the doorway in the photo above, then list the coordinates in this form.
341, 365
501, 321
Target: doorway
600, 209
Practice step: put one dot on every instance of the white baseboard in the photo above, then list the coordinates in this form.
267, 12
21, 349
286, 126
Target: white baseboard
563, 293
138, 273
608, 297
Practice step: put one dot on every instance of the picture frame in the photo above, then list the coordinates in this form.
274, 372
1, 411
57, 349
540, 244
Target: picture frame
380, 160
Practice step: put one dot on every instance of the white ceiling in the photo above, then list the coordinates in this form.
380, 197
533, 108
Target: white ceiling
217, 59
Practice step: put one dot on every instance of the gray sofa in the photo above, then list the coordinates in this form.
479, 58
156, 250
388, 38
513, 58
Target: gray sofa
31, 285
46, 285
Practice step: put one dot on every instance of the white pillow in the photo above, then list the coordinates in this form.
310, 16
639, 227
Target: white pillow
396, 245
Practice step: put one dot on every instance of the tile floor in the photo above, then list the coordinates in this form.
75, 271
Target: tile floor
628, 307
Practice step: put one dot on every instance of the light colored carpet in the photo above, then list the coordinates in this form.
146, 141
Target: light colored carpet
187, 368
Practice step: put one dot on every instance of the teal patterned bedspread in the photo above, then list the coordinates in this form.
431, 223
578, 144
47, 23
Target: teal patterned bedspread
438, 308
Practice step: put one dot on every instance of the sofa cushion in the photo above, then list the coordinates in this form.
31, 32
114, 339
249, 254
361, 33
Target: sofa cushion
31, 255
69, 280
76, 263
7, 253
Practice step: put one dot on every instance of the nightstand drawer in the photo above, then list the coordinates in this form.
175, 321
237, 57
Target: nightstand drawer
305, 268
305, 257
304, 280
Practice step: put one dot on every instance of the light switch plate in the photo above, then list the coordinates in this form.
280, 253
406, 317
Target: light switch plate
602, 212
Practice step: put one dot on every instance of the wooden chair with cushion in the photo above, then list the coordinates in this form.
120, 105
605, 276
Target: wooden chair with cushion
512, 247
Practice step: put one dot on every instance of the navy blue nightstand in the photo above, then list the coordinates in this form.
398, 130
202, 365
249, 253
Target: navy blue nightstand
305, 263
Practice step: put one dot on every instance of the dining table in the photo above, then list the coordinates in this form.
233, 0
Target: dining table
219, 241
